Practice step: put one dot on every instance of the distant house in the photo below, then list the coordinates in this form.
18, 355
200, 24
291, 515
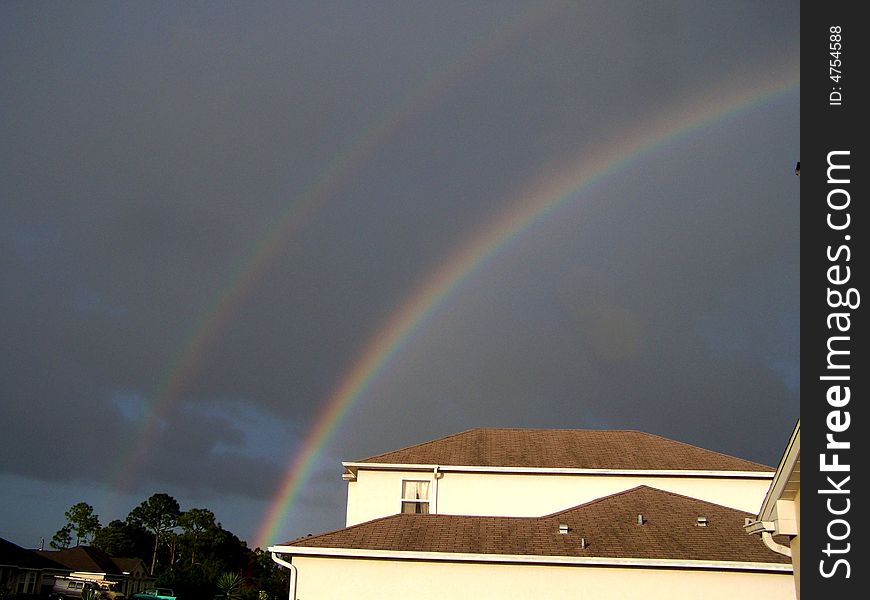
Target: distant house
24, 572
33, 572
517, 513
87, 562
136, 576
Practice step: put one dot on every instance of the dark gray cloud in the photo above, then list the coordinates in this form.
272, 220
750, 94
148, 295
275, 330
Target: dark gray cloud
147, 153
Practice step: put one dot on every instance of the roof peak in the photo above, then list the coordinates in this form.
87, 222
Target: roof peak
601, 449
642, 522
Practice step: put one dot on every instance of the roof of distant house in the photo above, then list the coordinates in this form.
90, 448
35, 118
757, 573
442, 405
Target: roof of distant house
84, 559
128, 564
12, 555
641, 523
565, 448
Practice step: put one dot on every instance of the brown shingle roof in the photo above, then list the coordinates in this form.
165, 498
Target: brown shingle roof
609, 524
86, 559
128, 565
565, 448
13, 555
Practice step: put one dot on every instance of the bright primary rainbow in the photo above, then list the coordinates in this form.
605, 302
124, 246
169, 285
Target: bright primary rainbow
556, 188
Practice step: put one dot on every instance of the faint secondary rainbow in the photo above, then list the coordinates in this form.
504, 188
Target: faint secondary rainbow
253, 265
551, 190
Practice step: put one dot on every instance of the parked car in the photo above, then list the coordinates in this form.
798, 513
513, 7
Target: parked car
75, 588
71, 588
155, 594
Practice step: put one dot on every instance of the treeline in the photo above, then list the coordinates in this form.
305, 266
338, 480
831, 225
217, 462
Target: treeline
189, 551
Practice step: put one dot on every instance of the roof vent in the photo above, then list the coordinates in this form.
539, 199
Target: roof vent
702, 521
640, 520
583, 543
563, 528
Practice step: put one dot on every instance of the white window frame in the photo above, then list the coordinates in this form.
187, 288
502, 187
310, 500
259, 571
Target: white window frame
427, 502
27, 582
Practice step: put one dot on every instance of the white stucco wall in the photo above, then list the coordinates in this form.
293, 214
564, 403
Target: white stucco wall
378, 493
364, 579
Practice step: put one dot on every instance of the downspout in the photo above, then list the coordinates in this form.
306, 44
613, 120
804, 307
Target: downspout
771, 543
293, 574
435, 491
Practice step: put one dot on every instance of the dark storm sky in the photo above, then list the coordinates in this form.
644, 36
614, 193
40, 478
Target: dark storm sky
148, 151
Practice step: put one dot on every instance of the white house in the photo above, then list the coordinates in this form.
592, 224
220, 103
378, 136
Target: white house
531, 472
518, 513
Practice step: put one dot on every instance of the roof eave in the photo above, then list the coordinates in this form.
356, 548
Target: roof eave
660, 563
785, 475
352, 469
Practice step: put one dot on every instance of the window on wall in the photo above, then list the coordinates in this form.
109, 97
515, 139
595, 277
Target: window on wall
415, 497
27, 582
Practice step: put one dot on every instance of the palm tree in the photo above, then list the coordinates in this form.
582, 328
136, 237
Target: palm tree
230, 585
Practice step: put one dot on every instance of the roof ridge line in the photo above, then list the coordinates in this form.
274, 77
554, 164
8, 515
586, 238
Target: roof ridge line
597, 500
648, 487
500, 446
451, 435
323, 533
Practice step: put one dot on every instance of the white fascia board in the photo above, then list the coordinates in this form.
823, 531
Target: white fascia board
650, 563
355, 466
782, 475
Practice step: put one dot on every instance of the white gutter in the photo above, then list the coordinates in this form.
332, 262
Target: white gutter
766, 529
519, 558
352, 467
293, 574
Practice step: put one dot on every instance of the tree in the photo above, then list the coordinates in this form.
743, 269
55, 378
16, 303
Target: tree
124, 539
158, 514
266, 577
81, 519
194, 523
62, 539
194, 551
